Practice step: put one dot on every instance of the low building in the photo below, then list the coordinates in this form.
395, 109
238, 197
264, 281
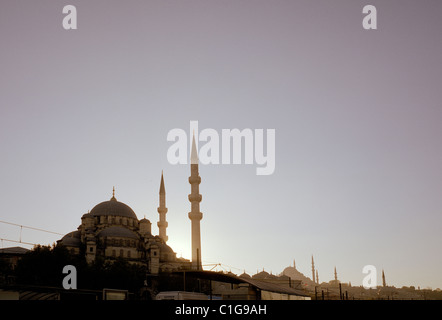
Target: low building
11, 255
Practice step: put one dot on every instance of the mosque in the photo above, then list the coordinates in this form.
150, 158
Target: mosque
112, 230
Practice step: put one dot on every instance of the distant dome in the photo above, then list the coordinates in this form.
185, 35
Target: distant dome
113, 208
263, 275
118, 232
72, 239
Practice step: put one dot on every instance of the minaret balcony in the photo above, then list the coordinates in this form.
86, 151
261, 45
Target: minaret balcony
162, 210
195, 215
193, 179
195, 197
162, 224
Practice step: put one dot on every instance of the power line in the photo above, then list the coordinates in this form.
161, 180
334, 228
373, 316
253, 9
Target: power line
32, 244
33, 228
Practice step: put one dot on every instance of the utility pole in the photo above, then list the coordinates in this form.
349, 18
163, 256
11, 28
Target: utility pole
340, 291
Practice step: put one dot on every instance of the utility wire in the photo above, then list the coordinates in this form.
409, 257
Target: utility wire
32, 244
21, 226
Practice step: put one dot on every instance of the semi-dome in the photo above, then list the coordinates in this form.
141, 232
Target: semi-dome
166, 252
72, 239
164, 247
118, 232
113, 208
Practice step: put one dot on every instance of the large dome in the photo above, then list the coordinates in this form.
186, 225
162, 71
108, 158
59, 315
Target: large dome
113, 208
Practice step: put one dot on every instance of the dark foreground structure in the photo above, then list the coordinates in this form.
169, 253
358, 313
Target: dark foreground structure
211, 286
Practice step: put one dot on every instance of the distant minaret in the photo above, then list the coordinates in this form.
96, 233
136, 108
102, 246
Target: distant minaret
162, 210
294, 264
336, 275
313, 270
195, 215
384, 284
317, 277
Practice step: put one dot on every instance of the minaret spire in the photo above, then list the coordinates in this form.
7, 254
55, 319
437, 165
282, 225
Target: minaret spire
313, 270
195, 215
162, 210
336, 275
194, 153
317, 277
162, 189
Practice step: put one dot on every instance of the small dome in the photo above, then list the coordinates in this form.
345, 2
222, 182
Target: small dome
113, 208
87, 215
72, 239
166, 252
164, 247
118, 232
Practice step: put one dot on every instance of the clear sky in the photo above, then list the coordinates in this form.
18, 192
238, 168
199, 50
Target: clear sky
357, 114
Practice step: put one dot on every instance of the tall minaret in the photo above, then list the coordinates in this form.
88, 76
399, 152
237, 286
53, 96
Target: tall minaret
336, 275
313, 270
195, 215
317, 277
162, 210
384, 284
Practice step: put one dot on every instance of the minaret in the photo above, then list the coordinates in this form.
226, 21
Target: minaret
162, 210
317, 277
313, 270
336, 275
384, 284
195, 215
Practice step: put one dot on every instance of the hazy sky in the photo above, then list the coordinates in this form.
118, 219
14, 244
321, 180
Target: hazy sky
357, 114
